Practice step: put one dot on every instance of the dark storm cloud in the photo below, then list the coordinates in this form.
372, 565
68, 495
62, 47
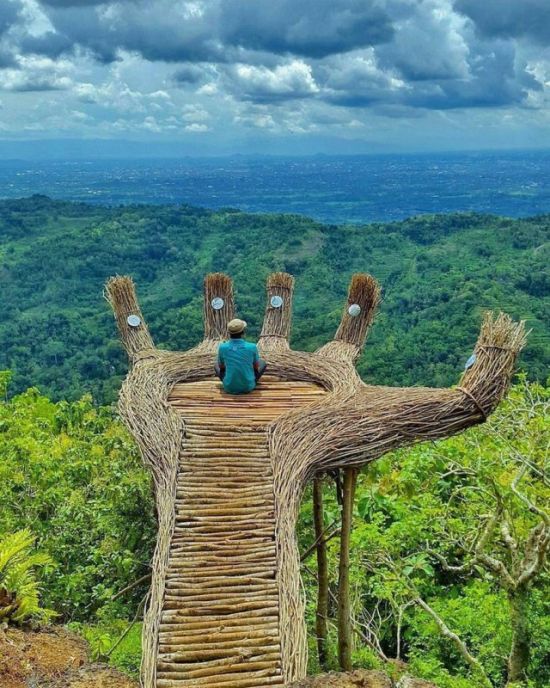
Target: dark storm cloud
10, 15
311, 28
220, 30
357, 53
156, 30
10, 12
429, 44
45, 83
6, 60
75, 3
493, 78
189, 74
50, 44
510, 18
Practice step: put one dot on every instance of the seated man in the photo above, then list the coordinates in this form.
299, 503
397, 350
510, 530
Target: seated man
239, 365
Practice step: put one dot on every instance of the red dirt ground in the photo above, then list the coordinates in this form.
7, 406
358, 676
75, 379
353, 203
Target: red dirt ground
355, 679
359, 679
55, 658
52, 658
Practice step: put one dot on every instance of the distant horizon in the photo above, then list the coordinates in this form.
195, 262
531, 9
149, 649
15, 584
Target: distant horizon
173, 150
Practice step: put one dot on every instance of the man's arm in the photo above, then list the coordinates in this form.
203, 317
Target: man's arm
221, 364
258, 364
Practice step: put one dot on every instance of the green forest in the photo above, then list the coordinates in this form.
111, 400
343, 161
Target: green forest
72, 485
449, 539
438, 274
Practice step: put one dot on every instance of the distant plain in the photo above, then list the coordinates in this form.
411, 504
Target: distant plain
333, 189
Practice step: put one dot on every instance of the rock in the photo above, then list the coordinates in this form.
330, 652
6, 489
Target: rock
410, 682
355, 679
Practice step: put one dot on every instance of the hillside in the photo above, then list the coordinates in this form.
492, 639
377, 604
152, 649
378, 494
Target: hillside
438, 273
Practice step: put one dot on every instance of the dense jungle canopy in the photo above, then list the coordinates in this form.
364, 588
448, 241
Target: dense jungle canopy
438, 274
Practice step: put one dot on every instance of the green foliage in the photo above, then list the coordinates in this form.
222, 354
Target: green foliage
19, 588
70, 475
438, 273
436, 498
117, 642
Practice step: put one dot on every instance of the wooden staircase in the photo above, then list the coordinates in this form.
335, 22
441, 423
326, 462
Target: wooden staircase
220, 620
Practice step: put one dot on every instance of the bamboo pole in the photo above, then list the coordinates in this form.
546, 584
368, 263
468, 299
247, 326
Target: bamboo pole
344, 598
321, 613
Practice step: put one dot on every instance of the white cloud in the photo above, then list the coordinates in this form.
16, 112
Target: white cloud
151, 124
257, 120
37, 74
431, 43
197, 128
194, 113
227, 66
209, 89
291, 80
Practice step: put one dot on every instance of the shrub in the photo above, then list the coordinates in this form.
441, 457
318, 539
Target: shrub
19, 588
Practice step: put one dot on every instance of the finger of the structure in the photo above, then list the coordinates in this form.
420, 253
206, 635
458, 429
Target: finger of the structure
490, 369
278, 312
359, 312
219, 306
134, 333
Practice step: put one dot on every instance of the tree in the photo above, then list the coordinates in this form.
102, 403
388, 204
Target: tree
455, 538
511, 552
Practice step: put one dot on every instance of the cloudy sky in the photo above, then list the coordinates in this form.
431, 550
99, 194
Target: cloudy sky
278, 75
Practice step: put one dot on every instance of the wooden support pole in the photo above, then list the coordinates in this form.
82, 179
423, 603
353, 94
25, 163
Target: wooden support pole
219, 306
121, 294
344, 599
278, 312
321, 626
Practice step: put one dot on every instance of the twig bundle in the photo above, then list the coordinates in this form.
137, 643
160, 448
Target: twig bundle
349, 340
278, 319
217, 286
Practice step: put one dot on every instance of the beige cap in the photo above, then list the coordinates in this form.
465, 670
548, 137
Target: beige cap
236, 326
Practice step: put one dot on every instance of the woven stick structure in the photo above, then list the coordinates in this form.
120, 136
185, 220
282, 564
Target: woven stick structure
226, 605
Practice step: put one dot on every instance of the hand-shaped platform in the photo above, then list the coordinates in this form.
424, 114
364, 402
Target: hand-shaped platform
226, 607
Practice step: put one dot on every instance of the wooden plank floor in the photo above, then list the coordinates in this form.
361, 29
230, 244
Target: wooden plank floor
220, 619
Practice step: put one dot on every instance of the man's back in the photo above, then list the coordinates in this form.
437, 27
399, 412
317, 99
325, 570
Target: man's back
238, 357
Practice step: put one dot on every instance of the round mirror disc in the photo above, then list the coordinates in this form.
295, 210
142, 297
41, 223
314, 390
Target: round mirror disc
470, 362
134, 320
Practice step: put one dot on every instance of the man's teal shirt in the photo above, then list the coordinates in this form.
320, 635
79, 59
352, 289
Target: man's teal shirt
238, 357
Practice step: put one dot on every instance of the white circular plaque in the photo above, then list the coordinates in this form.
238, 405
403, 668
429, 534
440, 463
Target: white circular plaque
217, 303
470, 362
276, 301
354, 310
134, 320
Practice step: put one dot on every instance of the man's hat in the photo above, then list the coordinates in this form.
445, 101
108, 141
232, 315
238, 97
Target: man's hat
236, 326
